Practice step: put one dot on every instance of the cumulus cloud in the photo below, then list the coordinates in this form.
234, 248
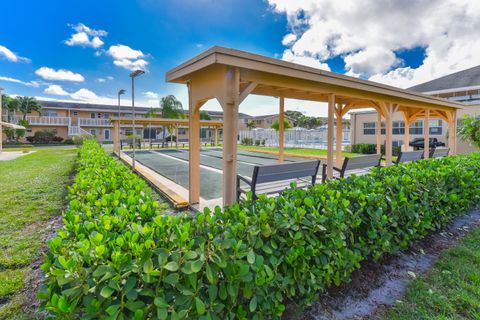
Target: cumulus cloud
11, 56
86, 37
56, 90
34, 84
151, 95
59, 75
306, 60
128, 58
369, 35
102, 80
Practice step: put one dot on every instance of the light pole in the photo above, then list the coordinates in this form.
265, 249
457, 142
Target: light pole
133, 75
120, 92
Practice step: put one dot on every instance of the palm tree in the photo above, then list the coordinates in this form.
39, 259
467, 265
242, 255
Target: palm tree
27, 105
170, 108
10, 104
286, 125
251, 125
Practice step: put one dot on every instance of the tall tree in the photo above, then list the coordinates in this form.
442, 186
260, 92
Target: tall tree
27, 105
204, 115
171, 109
469, 130
276, 125
251, 125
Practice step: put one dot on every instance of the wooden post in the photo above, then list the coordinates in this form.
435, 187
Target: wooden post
452, 132
116, 136
281, 129
339, 137
176, 136
388, 134
406, 137
194, 149
215, 136
379, 132
331, 112
426, 135
230, 132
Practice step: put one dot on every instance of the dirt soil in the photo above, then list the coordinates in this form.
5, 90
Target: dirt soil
376, 286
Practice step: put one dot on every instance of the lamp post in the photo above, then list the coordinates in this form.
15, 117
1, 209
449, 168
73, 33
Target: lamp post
133, 75
120, 92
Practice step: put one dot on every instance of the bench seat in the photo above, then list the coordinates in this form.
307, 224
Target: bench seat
354, 165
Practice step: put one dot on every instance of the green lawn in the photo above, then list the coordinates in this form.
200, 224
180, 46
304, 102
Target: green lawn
450, 290
296, 151
32, 192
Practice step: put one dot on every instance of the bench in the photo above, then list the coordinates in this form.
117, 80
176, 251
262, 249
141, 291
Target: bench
409, 156
272, 179
439, 152
129, 142
360, 163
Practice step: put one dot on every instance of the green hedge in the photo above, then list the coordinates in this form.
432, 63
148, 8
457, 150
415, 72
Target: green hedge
118, 257
368, 148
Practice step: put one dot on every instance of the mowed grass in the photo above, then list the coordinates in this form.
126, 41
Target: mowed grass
450, 290
32, 191
296, 151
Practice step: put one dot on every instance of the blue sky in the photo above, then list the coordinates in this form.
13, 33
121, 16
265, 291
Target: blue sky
84, 50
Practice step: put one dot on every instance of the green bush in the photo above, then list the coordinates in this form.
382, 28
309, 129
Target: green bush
118, 257
247, 141
368, 148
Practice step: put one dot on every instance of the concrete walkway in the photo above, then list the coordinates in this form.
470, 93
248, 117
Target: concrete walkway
10, 155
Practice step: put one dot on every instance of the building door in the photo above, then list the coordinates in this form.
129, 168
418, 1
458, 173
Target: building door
107, 134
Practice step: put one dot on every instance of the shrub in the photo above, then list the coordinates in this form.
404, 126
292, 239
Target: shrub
80, 139
68, 141
247, 141
257, 142
367, 148
44, 136
118, 257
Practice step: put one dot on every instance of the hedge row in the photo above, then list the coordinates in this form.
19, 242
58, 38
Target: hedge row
118, 257
368, 148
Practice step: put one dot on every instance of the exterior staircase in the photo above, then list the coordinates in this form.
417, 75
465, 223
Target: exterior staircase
77, 131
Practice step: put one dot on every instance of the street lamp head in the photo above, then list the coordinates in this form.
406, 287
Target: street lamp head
122, 91
136, 73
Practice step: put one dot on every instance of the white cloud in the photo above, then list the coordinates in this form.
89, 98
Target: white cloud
128, 58
289, 39
369, 34
60, 75
151, 95
34, 84
11, 56
309, 61
86, 37
56, 90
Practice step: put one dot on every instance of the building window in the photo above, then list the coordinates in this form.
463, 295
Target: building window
92, 115
416, 127
435, 127
49, 113
182, 131
92, 131
75, 113
370, 128
398, 127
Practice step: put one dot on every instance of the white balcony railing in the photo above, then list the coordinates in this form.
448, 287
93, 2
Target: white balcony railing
41, 121
90, 122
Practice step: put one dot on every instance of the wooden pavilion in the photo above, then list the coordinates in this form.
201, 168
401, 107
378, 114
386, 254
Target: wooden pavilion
230, 75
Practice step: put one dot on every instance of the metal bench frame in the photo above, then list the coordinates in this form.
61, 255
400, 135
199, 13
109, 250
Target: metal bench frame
409, 156
283, 173
129, 142
360, 162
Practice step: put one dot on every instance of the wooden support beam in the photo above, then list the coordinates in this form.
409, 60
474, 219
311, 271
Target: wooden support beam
248, 89
331, 112
194, 149
406, 137
281, 128
426, 135
379, 133
230, 124
452, 132
339, 137
215, 137
116, 137
390, 109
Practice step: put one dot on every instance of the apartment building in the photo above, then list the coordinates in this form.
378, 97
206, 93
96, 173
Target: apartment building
462, 86
266, 121
68, 119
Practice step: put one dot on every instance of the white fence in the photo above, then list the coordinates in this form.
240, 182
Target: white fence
301, 138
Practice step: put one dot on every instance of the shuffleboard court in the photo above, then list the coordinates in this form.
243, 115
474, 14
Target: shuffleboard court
173, 165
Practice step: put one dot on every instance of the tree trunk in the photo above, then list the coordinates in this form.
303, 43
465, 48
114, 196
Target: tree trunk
163, 140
